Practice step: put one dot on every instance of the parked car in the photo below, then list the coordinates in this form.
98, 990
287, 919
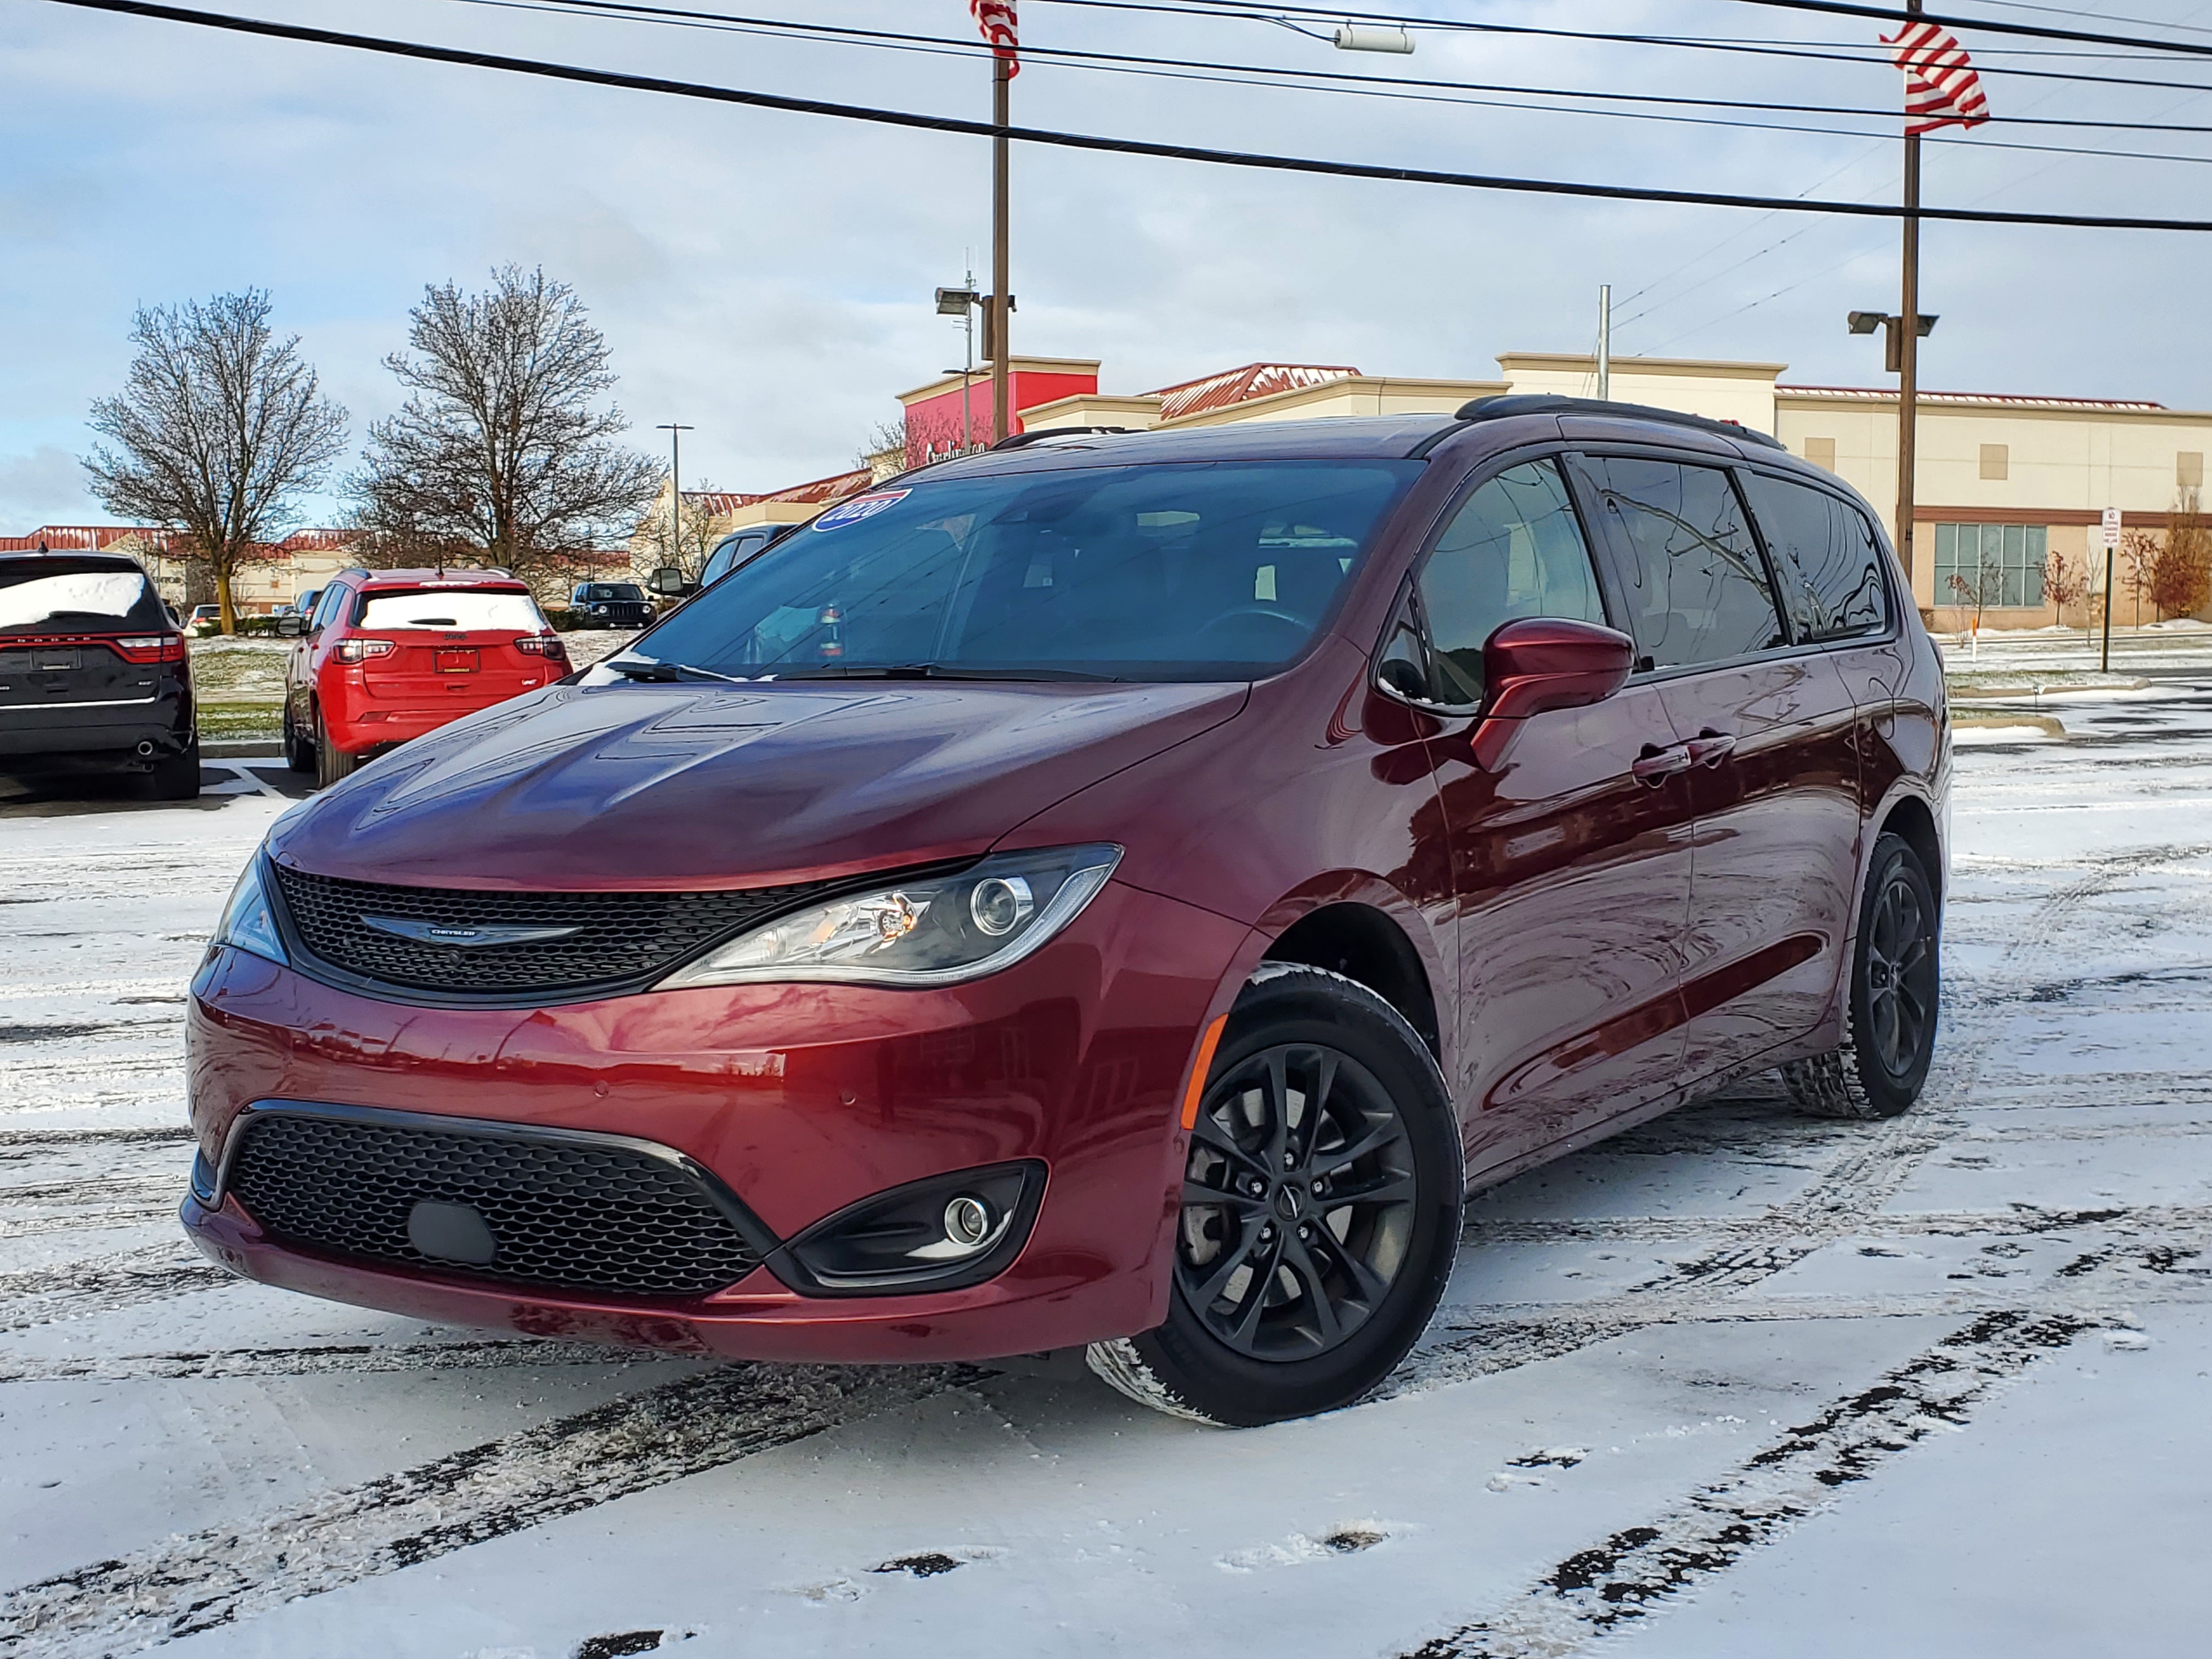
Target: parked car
610, 604
1113, 897
204, 616
388, 655
94, 673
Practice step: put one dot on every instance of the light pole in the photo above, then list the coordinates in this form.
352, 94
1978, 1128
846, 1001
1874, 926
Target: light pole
961, 303
1900, 356
675, 431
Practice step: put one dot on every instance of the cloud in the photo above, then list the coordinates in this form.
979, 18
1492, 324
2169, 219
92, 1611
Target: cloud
765, 277
44, 487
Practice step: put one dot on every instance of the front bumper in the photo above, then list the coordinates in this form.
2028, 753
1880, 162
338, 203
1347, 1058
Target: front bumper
801, 1099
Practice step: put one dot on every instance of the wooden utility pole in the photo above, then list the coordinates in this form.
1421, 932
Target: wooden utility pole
1908, 345
1002, 356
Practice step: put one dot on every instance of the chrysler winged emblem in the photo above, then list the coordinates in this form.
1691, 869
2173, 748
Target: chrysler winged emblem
462, 937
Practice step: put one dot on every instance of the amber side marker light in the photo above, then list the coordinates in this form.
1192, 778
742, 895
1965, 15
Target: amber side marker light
1195, 1088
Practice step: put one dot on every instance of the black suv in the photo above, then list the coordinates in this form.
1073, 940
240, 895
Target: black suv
610, 604
93, 672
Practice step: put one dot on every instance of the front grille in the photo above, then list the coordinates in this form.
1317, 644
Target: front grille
565, 1214
622, 939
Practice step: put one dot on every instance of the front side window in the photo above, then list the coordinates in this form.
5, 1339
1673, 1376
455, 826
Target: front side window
1990, 565
1696, 586
452, 608
1193, 571
53, 596
1513, 550
1825, 558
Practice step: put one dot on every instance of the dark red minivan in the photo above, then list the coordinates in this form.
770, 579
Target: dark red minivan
1116, 895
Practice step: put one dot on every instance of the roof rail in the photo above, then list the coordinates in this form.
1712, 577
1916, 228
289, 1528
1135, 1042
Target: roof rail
1045, 434
1499, 405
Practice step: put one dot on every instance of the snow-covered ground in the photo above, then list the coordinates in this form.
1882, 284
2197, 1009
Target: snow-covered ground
1738, 1383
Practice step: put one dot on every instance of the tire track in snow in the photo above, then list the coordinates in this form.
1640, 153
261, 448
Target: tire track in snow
1636, 1572
103, 1284
347, 1359
213, 1577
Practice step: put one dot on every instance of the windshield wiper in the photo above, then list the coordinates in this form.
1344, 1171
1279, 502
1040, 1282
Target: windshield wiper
644, 668
933, 670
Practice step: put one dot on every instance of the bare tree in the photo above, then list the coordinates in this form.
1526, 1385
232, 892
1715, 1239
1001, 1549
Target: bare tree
1984, 588
687, 542
2066, 583
499, 448
220, 427
883, 452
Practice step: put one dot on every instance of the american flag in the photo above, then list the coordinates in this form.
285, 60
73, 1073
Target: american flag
996, 19
1941, 86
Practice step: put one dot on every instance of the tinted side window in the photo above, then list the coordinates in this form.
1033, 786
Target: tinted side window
1697, 588
1824, 557
1513, 549
326, 609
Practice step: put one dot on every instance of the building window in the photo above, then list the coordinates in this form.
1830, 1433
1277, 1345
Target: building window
2189, 468
1822, 451
1997, 565
1996, 460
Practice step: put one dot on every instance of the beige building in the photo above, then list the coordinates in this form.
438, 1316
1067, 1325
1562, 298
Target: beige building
2002, 481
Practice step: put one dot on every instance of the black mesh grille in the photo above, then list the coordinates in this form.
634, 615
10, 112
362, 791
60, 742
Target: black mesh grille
621, 938
563, 1214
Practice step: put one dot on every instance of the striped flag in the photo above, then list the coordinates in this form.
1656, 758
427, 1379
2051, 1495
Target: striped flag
1941, 86
996, 19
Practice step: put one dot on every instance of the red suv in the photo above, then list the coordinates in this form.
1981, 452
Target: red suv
387, 655
1114, 896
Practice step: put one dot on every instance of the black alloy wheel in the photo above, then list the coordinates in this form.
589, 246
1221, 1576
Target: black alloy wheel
1298, 1203
1889, 1023
1320, 1210
1900, 974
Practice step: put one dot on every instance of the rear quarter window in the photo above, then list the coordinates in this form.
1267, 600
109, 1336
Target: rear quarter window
1825, 559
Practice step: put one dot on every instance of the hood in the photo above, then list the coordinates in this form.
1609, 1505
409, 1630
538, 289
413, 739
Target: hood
680, 786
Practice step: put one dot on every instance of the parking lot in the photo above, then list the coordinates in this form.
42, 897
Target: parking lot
1736, 1382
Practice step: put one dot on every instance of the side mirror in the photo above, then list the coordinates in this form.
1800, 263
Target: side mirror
670, 582
291, 627
1541, 663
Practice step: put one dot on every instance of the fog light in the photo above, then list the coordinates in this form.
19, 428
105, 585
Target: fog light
966, 1222
939, 1234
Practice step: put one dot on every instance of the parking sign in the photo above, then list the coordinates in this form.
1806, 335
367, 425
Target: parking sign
2111, 532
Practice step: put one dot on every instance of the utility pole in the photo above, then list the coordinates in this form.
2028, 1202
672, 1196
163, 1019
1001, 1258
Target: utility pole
1908, 352
1002, 118
675, 488
1604, 342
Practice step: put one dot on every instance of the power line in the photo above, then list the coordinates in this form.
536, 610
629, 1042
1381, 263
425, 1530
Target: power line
581, 75
1368, 86
2034, 31
1871, 55
633, 10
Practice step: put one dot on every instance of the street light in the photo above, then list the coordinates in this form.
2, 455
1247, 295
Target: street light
1865, 322
961, 303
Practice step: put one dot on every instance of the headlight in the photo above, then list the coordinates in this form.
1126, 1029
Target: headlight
246, 920
939, 930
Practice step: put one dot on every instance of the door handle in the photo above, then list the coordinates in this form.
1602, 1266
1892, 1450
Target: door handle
1656, 765
1710, 747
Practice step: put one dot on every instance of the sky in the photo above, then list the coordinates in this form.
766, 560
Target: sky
766, 278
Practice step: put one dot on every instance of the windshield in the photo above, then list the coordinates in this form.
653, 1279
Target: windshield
451, 607
602, 590
47, 597
1218, 570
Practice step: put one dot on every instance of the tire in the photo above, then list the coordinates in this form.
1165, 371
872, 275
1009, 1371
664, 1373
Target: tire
299, 753
331, 762
1241, 1348
176, 777
1889, 1017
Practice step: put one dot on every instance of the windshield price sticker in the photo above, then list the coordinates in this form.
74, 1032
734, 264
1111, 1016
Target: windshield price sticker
861, 507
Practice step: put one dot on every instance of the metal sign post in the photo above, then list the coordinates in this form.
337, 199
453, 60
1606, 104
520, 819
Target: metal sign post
2110, 535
